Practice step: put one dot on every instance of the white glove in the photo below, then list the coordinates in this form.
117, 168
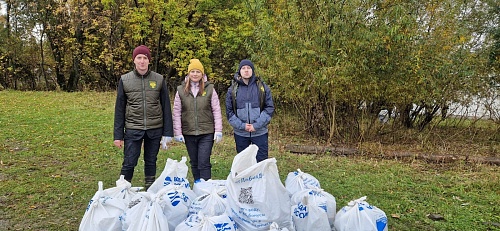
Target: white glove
164, 141
179, 138
218, 137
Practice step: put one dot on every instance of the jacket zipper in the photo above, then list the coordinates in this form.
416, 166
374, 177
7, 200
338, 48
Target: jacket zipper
196, 114
144, 117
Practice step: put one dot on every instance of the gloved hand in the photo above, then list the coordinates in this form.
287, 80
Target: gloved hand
179, 138
218, 137
164, 141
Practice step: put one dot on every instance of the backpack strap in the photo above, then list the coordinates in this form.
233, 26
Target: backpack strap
262, 93
234, 87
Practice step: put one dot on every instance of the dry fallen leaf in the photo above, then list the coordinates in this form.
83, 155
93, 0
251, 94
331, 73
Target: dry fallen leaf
395, 216
435, 217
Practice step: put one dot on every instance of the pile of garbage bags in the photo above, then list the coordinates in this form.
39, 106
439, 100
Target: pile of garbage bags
252, 198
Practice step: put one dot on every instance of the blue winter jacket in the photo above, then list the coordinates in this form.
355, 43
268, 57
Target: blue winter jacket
248, 108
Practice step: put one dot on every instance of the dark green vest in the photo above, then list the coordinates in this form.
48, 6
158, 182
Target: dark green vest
197, 117
143, 110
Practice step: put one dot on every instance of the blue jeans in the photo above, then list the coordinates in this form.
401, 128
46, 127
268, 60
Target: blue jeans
199, 149
133, 142
260, 141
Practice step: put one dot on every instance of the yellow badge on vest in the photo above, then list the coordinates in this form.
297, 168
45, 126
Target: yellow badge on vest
152, 84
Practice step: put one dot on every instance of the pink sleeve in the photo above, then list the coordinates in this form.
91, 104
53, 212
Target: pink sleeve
217, 112
177, 110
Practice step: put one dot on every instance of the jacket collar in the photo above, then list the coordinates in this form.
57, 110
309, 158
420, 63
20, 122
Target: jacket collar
145, 74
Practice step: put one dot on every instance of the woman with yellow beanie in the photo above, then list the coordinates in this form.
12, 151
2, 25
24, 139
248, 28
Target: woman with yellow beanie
197, 119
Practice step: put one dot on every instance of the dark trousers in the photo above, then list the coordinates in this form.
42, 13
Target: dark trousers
261, 142
133, 142
199, 149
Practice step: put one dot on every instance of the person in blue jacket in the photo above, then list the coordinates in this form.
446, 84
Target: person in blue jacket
249, 109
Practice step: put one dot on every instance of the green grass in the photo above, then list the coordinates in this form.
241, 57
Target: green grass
55, 147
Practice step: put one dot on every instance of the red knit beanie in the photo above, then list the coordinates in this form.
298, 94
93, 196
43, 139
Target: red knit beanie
142, 50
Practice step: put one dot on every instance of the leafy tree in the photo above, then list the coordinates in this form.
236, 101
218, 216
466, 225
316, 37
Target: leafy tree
493, 31
90, 42
18, 63
178, 31
340, 63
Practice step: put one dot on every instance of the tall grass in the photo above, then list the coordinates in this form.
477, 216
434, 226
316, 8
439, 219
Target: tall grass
56, 146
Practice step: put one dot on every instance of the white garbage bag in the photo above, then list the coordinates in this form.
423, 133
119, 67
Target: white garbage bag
175, 172
145, 213
123, 190
255, 194
177, 200
211, 204
313, 209
201, 222
359, 215
134, 217
298, 180
245, 159
103, 212
276, 227
203, 187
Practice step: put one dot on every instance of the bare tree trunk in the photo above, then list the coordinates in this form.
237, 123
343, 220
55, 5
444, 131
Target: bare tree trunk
8, 28
75, 75
333, 127
42, 58
58, 57
158, 50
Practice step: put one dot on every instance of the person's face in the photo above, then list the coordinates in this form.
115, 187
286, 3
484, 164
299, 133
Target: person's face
141, 63
195, 75
246, 72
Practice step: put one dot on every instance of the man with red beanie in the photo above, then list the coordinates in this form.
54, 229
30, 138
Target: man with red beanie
143, 116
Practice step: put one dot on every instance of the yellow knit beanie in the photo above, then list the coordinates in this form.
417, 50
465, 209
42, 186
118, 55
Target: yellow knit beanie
195, 64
